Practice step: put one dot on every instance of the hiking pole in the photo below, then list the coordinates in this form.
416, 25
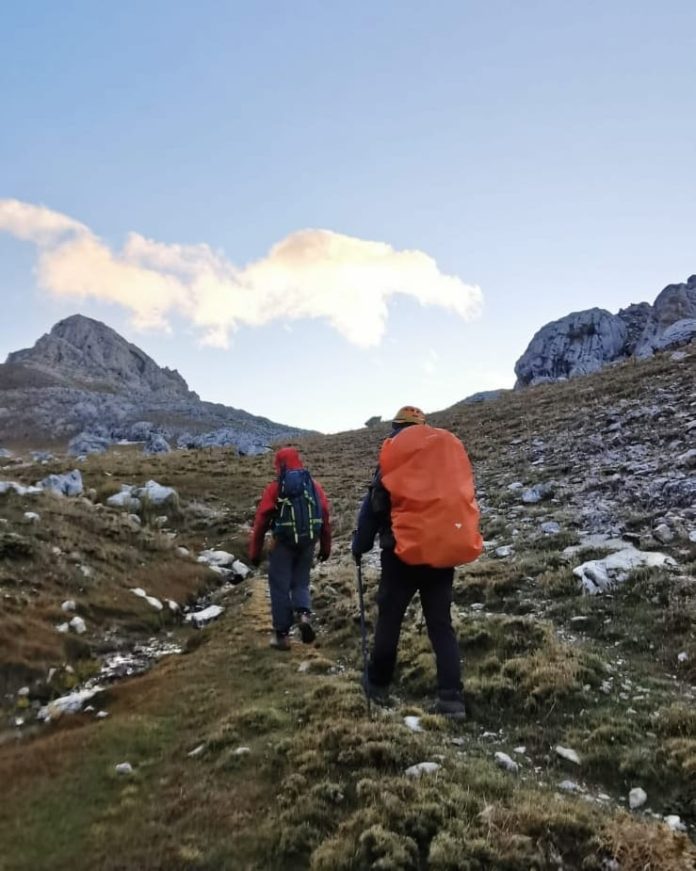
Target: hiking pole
363, 633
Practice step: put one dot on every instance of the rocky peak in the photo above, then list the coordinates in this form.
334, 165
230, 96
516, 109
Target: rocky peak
84, 351
586, 341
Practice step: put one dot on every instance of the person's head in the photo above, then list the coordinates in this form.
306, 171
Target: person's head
287, 458
408, 415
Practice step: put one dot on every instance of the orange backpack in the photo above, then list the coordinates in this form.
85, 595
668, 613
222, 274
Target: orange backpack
435, 518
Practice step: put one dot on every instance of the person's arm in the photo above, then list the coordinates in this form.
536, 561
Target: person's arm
262, 521
373, 515
325, 538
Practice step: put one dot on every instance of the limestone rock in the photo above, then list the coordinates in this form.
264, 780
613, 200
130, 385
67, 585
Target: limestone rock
68, 484
586, 341
599, 576
577, 344
637, 798
422, 768
502, 760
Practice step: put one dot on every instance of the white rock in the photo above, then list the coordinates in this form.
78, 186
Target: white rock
70, 704
599, 576
78, 625
567, 754
19, 489
23, 692
172, 605
692, 536
504, 551
86, 571
502, 760
69, 484
674, 822
663, 533
135, 520
242, 751
240, 569
101, 715
422, 768
196, 751
31, 517
124, 768
68, 606
56, 551
125, 499
63, 628
550, 527
151, 600
413, 723
683, 657
200, 618
637, 798
156, 494
569, 786
182, 552
521, 750
220, 558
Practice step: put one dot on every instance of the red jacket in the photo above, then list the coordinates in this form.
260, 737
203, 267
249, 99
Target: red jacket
287, 458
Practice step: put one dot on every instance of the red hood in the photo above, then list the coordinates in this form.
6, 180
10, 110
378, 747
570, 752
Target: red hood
288, 458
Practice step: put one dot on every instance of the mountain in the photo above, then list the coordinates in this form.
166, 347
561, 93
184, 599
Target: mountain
82, 382
586, 341
83, 352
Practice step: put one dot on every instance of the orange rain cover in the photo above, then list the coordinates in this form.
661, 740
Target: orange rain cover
435, 518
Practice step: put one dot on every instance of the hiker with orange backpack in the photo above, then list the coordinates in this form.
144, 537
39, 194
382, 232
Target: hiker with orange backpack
423, 505
295, 508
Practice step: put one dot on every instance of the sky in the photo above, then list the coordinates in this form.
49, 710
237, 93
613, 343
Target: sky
319, 212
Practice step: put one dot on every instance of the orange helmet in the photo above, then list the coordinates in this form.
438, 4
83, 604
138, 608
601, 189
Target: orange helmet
409, 414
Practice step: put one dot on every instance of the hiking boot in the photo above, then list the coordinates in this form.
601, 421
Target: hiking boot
280, 641
373, 691
307, 633
451, 706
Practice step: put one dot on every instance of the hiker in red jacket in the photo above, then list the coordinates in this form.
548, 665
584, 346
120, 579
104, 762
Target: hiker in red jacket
295, 508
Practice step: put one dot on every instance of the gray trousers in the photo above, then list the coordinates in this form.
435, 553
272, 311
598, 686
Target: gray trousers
288, 579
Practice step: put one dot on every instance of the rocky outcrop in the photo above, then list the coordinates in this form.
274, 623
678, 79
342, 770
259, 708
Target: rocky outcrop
84, 384
586, 341
83, 352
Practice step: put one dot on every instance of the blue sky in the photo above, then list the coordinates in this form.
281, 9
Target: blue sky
542, 151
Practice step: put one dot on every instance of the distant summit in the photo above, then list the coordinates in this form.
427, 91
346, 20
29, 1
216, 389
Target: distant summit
80, 350
84, 385
586, 341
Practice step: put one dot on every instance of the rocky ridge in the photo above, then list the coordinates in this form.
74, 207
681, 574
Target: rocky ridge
586, 341
84, 382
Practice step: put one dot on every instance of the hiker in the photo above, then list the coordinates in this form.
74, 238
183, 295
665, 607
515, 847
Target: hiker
295, 508
422, 504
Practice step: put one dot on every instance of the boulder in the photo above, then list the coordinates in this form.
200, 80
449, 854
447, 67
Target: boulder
157, 494
200, 618
88, 443
600, 576
157, 444
679, 333
68, 484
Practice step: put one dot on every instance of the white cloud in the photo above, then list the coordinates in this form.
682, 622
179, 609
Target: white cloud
310, 274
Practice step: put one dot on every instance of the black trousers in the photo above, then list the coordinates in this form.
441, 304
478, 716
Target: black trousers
398, 585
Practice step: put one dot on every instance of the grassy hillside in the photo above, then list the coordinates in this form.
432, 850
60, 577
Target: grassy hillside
319, 785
